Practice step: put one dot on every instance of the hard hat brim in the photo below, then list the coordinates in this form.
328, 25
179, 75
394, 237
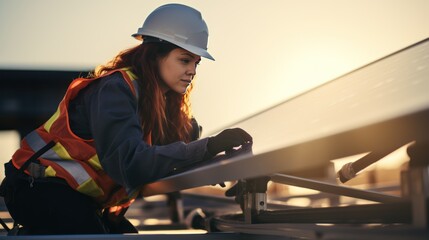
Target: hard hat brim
195, 50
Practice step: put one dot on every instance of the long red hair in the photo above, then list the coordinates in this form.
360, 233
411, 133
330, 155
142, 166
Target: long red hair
164, 117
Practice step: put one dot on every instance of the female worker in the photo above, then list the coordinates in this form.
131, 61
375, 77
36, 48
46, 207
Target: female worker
126, 125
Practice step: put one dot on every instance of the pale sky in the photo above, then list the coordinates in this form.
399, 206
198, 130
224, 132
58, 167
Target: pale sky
265, 51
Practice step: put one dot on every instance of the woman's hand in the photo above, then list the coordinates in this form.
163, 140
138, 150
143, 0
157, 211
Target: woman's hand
228, 139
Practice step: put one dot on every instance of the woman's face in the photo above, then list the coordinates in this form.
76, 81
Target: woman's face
178, 69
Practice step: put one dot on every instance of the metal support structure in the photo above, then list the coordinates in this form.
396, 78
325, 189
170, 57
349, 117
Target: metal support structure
415, 183
334, 189
419, 189
175, 204
331, 177
255, 197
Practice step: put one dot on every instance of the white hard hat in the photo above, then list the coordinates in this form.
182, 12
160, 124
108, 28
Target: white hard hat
178, 24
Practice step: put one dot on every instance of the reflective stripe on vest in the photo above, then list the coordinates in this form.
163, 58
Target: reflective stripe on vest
72, 167
51, 120
132, 77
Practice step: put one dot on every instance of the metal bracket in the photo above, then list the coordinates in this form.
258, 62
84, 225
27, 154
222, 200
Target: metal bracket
255, 197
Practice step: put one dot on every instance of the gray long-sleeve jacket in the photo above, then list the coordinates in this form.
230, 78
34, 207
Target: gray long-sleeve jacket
106, 111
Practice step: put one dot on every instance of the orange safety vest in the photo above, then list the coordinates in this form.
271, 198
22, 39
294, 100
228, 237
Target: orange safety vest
72, 158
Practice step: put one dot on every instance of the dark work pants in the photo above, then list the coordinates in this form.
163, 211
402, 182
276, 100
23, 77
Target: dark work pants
50, 206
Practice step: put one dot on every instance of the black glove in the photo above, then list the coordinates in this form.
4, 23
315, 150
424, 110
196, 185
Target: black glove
227, 139
196, 130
